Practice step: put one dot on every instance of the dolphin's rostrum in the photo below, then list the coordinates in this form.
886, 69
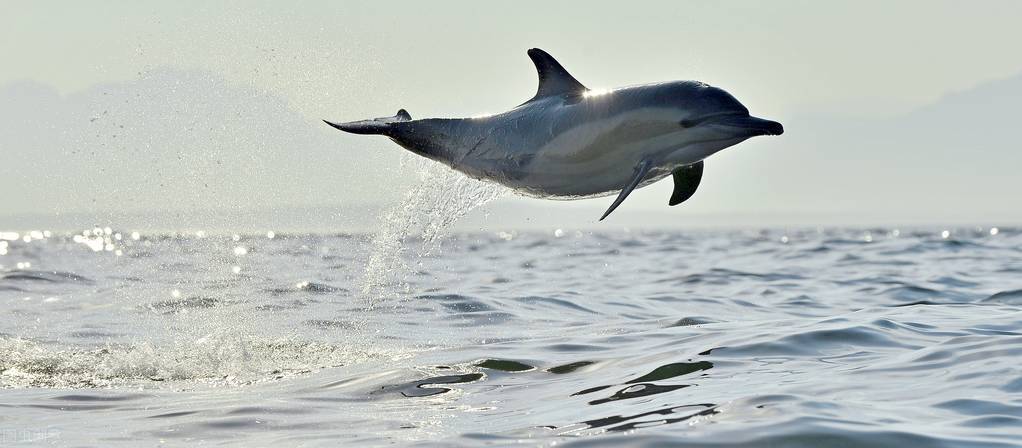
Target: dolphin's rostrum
570, 142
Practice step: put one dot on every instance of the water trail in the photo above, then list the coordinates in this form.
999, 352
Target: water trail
177, 322
428, 209
26, 363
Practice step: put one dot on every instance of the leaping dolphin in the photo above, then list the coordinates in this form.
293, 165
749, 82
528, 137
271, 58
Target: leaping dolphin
570, 142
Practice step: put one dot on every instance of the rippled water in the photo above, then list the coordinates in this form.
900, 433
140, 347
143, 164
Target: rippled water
840, 337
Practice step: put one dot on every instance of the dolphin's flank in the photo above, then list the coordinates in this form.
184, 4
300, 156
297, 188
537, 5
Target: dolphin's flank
569, 142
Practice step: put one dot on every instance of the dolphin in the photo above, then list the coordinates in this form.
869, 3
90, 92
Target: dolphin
570, 142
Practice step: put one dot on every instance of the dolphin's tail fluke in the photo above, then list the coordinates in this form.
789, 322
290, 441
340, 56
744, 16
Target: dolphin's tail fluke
381, 125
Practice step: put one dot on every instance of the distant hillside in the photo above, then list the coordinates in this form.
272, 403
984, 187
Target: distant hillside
180, 140
958, 157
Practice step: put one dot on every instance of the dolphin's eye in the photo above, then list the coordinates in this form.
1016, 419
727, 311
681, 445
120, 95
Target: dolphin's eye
691, 122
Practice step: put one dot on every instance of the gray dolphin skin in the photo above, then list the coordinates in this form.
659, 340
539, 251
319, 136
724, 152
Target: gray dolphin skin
570, 142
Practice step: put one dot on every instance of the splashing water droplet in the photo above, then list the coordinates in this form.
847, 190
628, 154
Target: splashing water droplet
429, 208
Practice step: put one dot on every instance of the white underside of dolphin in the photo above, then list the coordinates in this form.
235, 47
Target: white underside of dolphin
568, 142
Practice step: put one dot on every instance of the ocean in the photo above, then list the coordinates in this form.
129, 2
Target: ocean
830, 337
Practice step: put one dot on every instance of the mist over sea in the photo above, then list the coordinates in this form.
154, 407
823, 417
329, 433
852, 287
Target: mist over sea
851, 337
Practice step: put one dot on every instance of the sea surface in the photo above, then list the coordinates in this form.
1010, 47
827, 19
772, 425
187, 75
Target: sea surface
795, 338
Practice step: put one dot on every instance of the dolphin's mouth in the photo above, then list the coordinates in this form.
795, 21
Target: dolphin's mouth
755, 126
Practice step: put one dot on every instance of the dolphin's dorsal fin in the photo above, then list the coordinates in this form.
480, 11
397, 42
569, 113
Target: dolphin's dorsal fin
553, 78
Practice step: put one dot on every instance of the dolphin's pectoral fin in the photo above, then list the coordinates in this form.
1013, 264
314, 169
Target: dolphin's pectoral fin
640, 173
374, 126
553, 78
686, 180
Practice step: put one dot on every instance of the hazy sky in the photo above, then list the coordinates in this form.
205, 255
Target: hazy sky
139, 106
